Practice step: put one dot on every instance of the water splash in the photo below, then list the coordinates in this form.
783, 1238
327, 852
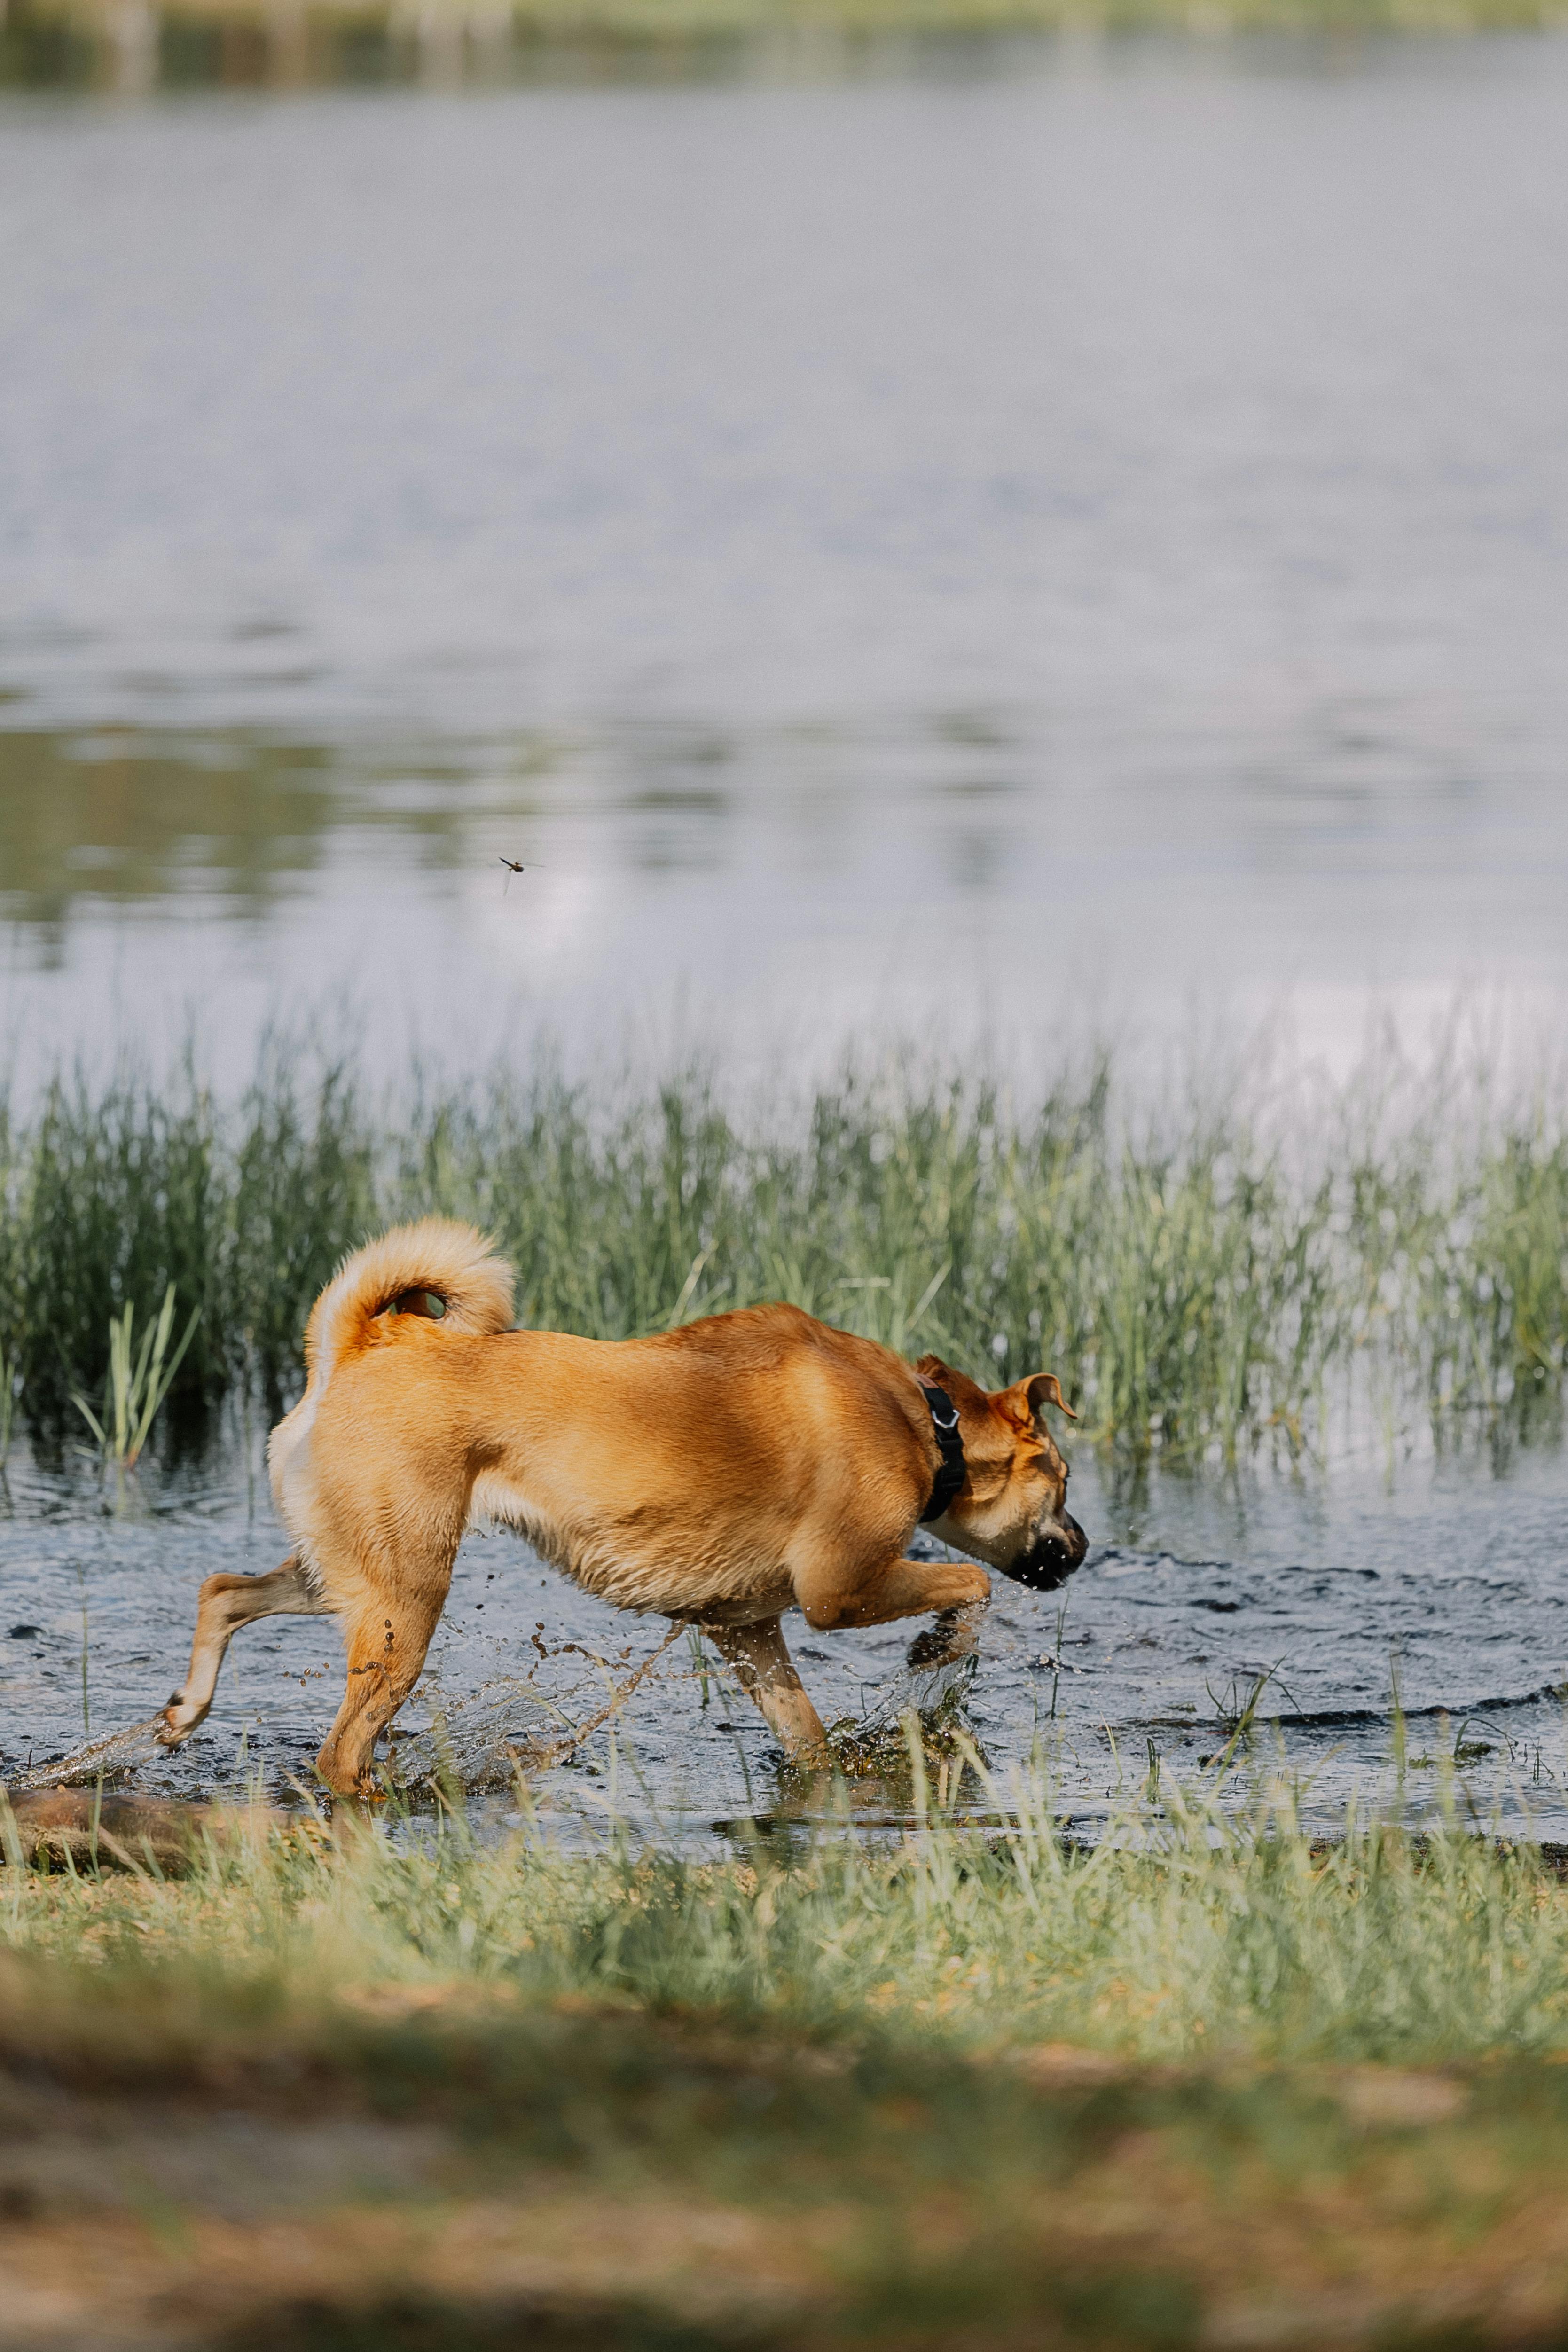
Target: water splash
936, 1693
876, 1742
116, 1754
478, 1743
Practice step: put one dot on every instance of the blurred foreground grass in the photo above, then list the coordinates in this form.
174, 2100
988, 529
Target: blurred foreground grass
973, 2088
1205, 1277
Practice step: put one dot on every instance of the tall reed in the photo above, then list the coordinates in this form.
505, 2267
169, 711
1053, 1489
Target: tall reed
10, 1382
140, 1377
1199, 1284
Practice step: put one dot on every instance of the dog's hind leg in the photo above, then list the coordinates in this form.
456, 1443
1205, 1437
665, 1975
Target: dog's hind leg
388, 1634
226, 1603
766, 1672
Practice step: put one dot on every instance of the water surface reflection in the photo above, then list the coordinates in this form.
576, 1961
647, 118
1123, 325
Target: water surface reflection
1106, 517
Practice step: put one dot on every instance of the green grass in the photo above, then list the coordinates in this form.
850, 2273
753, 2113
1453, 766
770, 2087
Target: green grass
1200, 1282
1191, 1933
970, 2088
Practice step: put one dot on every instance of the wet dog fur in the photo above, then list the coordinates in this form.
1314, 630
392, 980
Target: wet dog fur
720, 1473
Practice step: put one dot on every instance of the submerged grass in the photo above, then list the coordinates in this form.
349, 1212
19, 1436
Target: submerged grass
1198, 1283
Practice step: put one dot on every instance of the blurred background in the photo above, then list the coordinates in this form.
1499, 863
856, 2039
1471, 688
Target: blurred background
1013, 530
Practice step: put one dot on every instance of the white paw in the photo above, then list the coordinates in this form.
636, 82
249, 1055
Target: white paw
178, 1721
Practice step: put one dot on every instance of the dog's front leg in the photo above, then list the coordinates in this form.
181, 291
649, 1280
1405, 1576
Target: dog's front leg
834, 1593
226, 1603
766, 1672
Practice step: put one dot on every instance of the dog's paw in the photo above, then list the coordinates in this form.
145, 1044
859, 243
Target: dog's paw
949, 1637
171, 1730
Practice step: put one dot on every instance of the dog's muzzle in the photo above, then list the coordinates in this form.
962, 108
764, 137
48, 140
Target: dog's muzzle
1051, 1557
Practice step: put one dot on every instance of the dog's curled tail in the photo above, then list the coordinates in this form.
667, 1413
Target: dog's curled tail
438, 1269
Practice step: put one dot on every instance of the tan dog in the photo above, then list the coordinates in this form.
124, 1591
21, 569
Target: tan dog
718, 1473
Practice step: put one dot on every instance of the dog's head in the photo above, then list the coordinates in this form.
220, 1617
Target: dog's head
1012, 1512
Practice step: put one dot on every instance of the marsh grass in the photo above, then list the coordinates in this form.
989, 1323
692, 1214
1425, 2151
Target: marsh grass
1187, 1931
140, 1377
10, 1384
1202, 1283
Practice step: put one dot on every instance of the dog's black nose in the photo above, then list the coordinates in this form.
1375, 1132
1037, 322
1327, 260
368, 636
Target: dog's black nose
1051, 1557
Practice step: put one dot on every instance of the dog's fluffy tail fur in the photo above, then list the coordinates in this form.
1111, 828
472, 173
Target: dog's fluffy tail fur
454, 1261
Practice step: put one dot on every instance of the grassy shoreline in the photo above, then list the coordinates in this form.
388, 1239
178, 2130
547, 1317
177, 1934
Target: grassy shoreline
328, 2092
1203, 1280
1187, 1932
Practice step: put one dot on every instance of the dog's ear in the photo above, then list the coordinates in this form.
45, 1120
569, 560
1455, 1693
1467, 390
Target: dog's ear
1043, 1389
1031, 1398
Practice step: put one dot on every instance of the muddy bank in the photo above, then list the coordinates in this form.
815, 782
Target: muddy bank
88, 1829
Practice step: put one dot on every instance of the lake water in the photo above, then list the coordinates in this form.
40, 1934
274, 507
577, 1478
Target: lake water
1444, 1584
1060, 537
1015, 546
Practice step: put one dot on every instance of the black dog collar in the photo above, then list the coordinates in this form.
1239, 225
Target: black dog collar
951, 1472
